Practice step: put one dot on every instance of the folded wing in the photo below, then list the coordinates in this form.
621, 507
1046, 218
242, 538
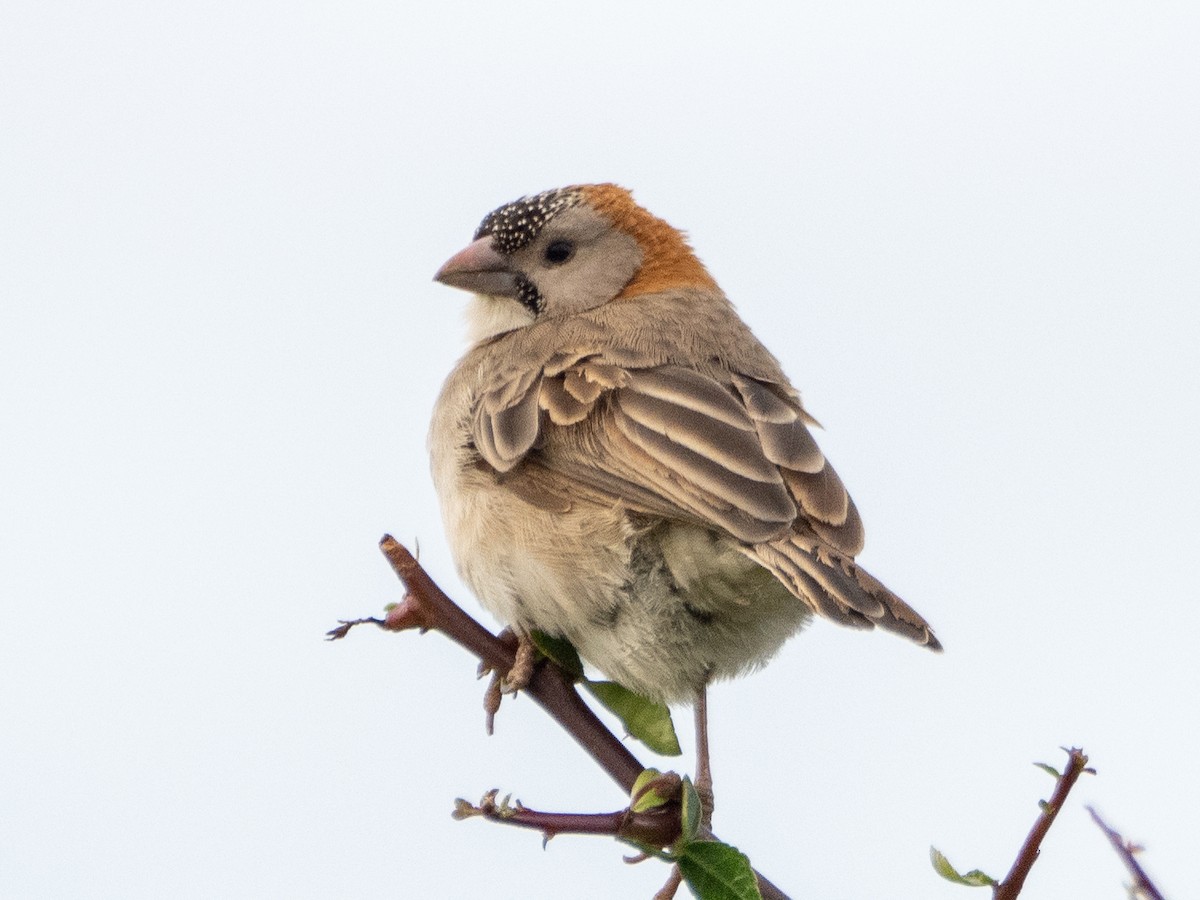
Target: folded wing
728, 451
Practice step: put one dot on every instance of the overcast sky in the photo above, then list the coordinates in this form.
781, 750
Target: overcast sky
970, 232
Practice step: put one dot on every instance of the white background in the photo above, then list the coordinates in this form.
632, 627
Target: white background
971, 232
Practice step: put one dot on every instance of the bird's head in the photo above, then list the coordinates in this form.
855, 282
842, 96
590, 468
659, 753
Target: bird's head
565, 251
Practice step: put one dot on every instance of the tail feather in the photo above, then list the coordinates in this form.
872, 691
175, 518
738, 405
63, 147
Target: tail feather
785, 566
836, 587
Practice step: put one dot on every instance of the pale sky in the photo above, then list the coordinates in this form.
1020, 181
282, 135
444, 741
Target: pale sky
970, 233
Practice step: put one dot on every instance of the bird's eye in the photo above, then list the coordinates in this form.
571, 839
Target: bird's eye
558, 252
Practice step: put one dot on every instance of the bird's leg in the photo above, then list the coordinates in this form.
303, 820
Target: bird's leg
704, 780
703, 784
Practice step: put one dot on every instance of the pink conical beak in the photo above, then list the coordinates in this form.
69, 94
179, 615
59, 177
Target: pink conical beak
480, 269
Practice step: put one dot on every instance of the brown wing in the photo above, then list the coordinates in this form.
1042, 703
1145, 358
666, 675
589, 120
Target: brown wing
736, 454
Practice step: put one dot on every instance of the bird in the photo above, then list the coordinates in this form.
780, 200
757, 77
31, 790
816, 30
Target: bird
620, 462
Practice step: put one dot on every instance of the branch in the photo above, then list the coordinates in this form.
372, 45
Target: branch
1143, 887
1011, 886
657, 827
426, 607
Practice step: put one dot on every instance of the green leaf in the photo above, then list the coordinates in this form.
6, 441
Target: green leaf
561, 651
974, 878
647, 721
716, 871
653, 789
690, 802
639, 783
1049, 770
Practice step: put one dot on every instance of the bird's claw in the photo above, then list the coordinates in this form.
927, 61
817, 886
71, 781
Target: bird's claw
517, 678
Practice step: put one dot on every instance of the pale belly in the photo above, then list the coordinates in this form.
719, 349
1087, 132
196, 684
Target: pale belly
659, 607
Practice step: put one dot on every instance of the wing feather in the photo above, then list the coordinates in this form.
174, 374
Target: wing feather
671, 441
690, 390
734, 447
508, 427
768, 501
566, 407
782, 427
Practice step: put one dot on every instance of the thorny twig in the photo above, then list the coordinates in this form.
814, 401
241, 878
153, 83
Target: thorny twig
657, 827
426, 607
1011, 886
1142, 888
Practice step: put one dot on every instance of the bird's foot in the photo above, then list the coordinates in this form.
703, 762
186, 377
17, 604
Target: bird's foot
491, 701
518, 677
515, 679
